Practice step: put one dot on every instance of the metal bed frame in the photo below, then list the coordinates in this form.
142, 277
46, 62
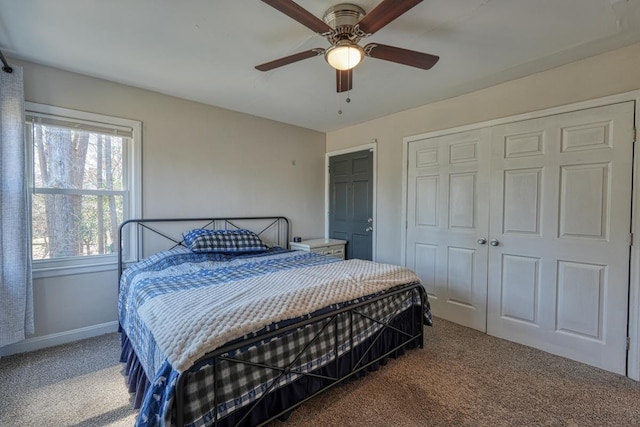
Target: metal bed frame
329, 322
279, 224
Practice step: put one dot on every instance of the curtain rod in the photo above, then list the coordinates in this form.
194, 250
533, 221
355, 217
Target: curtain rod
5, 65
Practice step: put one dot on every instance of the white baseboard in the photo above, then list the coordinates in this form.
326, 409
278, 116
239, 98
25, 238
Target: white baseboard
44, 341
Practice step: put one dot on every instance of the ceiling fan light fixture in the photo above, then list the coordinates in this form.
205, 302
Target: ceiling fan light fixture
344, 55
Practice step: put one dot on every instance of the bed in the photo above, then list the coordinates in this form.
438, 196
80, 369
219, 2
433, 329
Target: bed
222, 325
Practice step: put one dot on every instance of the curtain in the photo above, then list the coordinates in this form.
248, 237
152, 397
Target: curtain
16, 290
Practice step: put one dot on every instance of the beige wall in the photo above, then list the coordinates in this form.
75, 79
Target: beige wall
607, 74
198, 160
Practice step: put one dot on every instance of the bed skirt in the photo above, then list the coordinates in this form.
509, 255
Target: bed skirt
137, 380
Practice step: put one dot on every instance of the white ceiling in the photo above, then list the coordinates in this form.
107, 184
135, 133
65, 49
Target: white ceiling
206, 50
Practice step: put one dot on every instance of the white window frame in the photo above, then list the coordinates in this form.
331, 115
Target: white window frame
132, 154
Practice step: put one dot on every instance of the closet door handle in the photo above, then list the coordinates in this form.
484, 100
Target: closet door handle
482, 241
494, 242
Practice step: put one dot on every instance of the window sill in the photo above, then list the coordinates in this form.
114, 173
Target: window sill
71, 270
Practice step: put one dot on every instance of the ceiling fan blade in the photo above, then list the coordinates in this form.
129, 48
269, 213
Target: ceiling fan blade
289, 59
298, 13
344, 80
384, 13
401, 56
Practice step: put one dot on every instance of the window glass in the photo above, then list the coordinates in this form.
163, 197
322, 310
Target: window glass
76, 159
68, 225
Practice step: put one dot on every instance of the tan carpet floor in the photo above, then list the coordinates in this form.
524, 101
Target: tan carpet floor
461, 378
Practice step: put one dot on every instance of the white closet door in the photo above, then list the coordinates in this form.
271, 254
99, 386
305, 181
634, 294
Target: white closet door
447, 213
560, 213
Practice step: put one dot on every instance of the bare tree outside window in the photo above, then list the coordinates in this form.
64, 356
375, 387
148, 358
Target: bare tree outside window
78, 191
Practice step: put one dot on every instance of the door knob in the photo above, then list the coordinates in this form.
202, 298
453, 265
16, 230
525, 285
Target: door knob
370, 220
494, 242
482, 241
369, 229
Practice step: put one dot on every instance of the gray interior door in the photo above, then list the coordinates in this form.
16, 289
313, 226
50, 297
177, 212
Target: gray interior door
351, 202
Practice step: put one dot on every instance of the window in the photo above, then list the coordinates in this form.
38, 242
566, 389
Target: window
84, 178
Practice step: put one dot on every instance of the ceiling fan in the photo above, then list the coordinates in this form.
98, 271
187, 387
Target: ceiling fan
344, 25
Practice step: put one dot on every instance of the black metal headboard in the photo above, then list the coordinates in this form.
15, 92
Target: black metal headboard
146, 236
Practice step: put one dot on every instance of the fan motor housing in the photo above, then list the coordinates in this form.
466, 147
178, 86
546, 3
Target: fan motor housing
342, 18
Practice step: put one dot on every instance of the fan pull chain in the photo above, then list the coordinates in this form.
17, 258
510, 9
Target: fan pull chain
348, 100
349, 85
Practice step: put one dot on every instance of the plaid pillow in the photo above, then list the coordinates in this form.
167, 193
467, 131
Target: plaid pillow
226, 241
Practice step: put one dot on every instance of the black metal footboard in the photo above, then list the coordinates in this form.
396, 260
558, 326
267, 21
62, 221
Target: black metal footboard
345, 366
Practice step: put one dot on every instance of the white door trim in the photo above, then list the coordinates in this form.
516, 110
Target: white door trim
373, 147
633, 356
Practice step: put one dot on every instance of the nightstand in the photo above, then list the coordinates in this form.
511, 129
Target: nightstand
330, 247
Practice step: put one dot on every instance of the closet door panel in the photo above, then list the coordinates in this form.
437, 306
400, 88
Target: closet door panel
522, 191
520, 288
